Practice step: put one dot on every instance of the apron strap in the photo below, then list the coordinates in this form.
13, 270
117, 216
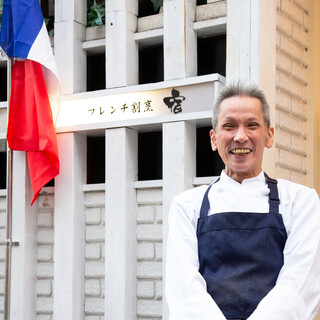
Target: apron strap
205, 206
274, 201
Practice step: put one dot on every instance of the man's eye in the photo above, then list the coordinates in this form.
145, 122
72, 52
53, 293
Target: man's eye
253, 125
227, 126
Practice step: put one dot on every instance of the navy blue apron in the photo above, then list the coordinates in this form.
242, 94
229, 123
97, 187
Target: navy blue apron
241, 254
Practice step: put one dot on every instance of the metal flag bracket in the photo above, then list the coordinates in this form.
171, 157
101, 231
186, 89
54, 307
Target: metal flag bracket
12, 243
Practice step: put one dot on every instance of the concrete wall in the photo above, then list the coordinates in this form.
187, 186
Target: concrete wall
94, 262
149, 254
45, 259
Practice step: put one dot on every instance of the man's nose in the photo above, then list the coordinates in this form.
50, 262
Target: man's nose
241, 135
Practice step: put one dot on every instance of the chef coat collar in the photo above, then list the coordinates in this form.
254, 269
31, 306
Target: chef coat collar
260, 178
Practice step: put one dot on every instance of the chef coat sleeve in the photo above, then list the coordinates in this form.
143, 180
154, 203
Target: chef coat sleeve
296, 295
185, 288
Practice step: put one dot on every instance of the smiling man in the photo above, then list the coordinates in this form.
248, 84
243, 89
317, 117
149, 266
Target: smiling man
247, 246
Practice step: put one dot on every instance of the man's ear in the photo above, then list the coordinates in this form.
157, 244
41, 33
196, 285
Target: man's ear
213, 140
270, 137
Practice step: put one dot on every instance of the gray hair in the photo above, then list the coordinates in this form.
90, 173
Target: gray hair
241, 88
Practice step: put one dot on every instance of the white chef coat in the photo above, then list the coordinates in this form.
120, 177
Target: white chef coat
296, 295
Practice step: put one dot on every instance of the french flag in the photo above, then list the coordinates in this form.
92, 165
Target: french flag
35, 89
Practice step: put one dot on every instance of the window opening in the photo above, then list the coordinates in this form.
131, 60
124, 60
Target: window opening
151, 64
96, 71
150, 155
3, 80
96, 160
3, 164
149, 7
50, 183
47, 7
201, 2
212, 55
208, 162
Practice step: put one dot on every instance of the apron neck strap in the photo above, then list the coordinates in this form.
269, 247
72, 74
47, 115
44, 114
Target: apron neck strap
205, 202
273, 195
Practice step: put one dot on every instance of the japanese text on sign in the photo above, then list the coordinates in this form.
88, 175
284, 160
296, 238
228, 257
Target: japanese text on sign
135, 107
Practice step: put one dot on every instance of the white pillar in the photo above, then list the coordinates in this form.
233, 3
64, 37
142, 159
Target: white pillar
121, 48
239, 43
69, 33
180, 45
69, 228
120, 237
24, 230
251, 40
251, 51
179, 168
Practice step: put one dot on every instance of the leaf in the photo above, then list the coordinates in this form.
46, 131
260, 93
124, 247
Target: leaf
95, 15
157, 4
98, 21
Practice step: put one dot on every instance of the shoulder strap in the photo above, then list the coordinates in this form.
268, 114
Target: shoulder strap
205, 206
274, 201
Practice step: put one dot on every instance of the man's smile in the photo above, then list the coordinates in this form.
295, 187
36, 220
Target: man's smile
240, 151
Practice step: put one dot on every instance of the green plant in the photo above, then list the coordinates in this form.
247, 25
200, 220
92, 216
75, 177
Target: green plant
157, 4
50, 25
96, 14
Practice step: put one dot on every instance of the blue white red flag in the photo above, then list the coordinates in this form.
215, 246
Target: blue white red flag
35, 89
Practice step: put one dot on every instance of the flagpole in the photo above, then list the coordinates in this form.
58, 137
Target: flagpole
8, 241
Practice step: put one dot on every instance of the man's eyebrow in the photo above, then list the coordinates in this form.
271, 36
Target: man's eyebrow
253, 119
230, 118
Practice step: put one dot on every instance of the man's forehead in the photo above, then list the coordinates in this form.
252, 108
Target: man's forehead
243, 99
241, 104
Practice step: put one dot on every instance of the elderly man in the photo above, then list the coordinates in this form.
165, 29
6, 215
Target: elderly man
247, 246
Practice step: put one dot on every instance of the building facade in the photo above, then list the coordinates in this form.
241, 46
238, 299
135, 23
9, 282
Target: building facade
136, 105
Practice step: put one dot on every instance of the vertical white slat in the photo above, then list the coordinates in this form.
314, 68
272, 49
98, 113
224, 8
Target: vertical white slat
69, 228
121, 48
120, 221
180, 45
24, 230
69, 33
179, 168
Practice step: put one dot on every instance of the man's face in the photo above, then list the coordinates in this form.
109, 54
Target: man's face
241, 136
